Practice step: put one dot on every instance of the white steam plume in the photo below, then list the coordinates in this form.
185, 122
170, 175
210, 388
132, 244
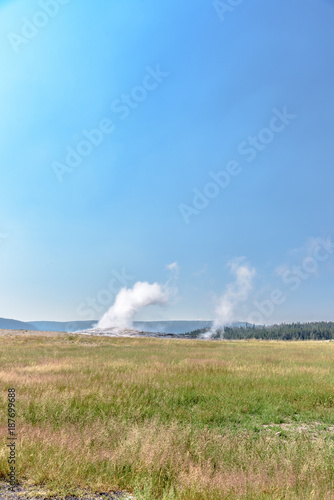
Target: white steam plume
235, 292
174, 268
131, 300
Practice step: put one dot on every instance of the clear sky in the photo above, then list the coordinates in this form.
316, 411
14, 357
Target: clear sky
215, 143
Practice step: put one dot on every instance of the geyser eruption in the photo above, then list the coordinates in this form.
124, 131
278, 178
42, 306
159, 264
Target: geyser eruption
235, 293
131, 300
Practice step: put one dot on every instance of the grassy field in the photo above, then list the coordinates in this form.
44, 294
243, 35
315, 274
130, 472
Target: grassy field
171, 419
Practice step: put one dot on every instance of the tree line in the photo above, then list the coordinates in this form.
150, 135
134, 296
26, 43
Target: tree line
321, 330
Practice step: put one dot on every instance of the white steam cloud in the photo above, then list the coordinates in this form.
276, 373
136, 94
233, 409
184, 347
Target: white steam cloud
235, 293
174, 267
131, 300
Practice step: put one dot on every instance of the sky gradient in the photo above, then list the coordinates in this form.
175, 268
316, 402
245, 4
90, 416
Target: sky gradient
182, 94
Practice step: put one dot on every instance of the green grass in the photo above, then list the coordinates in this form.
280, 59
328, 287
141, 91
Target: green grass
170, 419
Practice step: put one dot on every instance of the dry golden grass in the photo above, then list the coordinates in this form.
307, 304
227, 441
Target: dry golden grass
169, 419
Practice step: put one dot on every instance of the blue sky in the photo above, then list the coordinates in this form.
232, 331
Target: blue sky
120, 210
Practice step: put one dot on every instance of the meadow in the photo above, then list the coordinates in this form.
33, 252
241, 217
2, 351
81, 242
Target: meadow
171, 419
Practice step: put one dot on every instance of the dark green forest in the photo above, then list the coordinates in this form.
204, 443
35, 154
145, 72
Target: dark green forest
321, 330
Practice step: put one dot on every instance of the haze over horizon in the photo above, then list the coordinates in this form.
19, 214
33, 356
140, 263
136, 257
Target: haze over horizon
167, 144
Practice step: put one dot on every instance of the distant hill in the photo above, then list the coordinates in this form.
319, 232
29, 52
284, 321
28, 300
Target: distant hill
177, 327
181, 326
46, 326
63, 326
13, 324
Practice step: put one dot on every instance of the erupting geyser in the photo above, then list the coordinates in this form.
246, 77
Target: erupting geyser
130, 301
